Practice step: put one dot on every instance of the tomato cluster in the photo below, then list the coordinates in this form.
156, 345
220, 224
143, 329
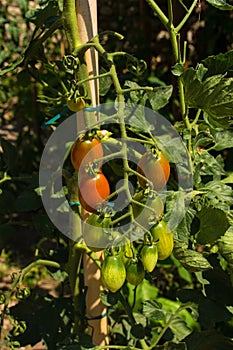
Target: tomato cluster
131, 264
126, 262
93, 186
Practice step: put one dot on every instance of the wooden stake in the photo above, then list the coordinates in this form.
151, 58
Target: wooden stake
98, 328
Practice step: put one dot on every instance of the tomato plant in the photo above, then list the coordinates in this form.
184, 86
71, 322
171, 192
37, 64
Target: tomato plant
166, 259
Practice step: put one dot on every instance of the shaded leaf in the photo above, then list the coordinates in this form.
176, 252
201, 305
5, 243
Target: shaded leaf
43, 224
179, 328
153, 310
7, 202
225, 245
27, 201
213, 224
210, 311
218, 64
203, 139
208, 340
190, 259
184, 227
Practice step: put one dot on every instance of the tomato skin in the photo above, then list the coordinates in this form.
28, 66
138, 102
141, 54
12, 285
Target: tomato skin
154, 168
164, 236
149, 257
93, 191
145, 216
76, 106
95, 232
84, 152
135, 272
113, 273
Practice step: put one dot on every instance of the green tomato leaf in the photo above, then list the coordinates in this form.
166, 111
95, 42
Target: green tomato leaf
203, 139
179, 328
153, 310
159, 97
221, 5
217, 194
208, 340
190, 259
145, 291
184, 227
225, 245
218, 64
178, 69
213, 224
206, 164
214, 96
223, 139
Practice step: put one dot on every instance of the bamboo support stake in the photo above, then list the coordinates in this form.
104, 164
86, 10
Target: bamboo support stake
98, 328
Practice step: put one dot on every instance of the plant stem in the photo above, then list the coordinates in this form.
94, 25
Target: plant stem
172, 317
185, 18
131, 318
194, 122
163, 18
70, 24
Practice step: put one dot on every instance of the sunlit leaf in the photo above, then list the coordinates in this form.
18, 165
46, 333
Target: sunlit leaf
221, 5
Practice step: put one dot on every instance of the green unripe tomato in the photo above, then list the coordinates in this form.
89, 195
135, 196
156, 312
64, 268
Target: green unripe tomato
96, 233
143, 215
77, 105
113, 273
149, 257
164, 236
135, 272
